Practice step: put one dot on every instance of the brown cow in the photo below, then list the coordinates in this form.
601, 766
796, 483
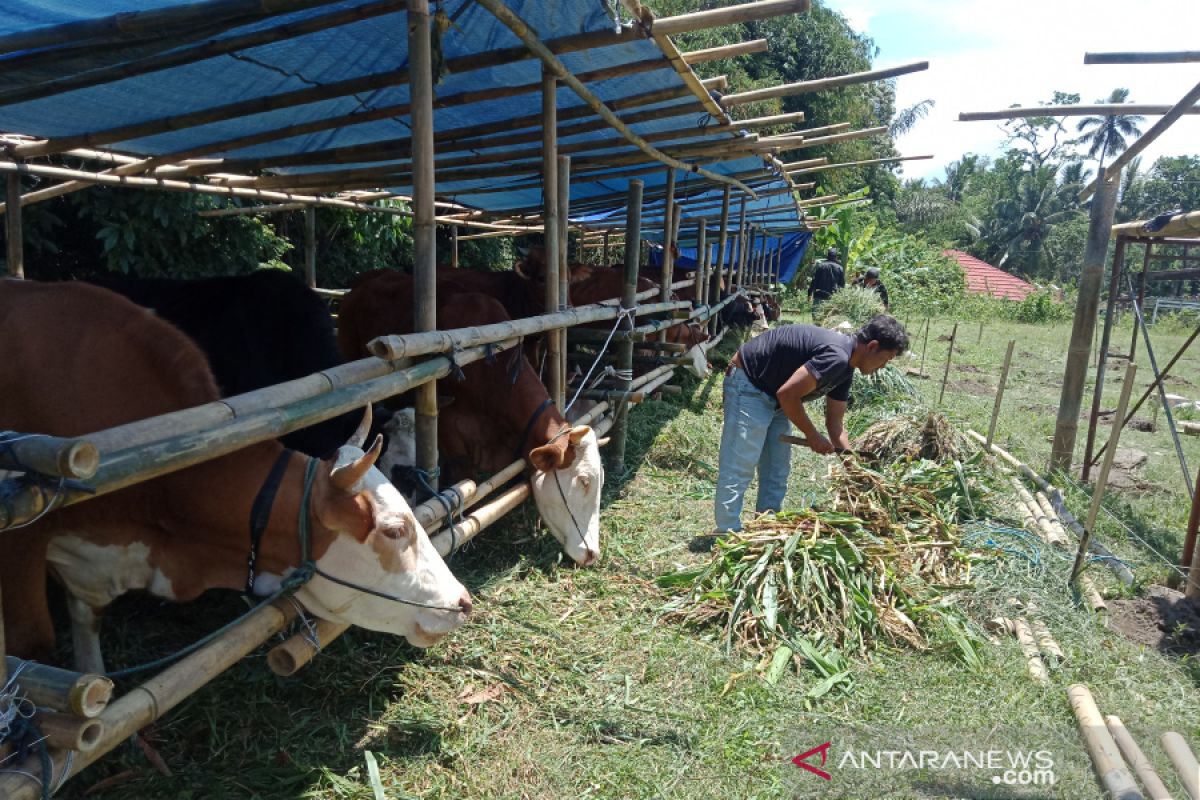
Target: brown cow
78, 359
499, 412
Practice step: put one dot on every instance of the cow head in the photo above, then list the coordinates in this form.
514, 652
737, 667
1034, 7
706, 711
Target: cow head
378, 544
567, 483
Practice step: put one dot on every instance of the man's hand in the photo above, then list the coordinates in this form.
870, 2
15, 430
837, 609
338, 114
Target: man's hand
819, 444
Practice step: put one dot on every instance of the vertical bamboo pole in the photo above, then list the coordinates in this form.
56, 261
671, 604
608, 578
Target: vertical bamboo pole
310, 246
1100, 222
1141, 298
925, 347
1189, 562
424, 228
949, 358
564, 269
742, 233
12, 227
1114, 288
668, 262
719, 271
1000, 392
633, 260
676, 218
700, 287
1105, 466
604, 253
453, 247
550, 214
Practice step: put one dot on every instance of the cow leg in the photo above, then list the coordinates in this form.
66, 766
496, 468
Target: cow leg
85, 635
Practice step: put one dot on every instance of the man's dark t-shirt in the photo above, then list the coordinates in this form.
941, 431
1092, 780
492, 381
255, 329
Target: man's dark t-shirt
770, 359
827, 279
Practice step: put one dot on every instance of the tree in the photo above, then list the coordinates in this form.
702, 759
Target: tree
1030, 134
1106, 135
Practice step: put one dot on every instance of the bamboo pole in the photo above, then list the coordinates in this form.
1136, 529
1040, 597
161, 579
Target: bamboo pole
1114, 285
668, 219
1173, 57
1071, 397
1102, 481
741, 245
1190, 560
805, 141
1185, 762
700, 292
949, 358
1106, 757
550, 214
310, 247
564, 271
804, 87
726, 51
1185, 224
14, 237
1155, 790
450, 538
1073, 110
732, 15
522, 31
48, 455
824, 167
65, 732
1033, 659
1113, 170
1000, 391
722, 240
1141, 302
453, 247
300, 648
1051, 652
1047, 511
79, 694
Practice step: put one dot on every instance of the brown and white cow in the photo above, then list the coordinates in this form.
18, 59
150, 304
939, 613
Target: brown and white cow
78, 359
499, 412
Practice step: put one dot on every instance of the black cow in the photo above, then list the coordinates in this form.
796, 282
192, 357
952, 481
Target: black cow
738, 313
257, 330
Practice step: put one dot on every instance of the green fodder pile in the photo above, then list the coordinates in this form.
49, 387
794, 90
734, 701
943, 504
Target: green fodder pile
875, 566
852, 304
913, 435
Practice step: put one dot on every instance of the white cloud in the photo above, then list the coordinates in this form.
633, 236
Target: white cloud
991, 55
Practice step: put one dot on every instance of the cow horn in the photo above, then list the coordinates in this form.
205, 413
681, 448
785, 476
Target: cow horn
364, 429
345, 476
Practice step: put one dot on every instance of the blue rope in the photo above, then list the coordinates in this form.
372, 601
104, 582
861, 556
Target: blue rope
1011, 541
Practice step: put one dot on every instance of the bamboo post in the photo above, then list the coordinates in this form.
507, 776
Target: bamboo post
1189, 562
550, 216
453, 247
424, 227
1106, 757
66, 732
722, 240
1114, 287
1155, 790
1000, 392
633, 259
668, 218
310, 246
298, 649
75, 693
12, 226
949, 358
1185, 762
924, 347
1102, 480
743, 234
1141, 299
1071, 398
564, 269
604, 252
700, 287
48, 455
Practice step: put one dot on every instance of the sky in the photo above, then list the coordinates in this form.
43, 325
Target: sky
986, 55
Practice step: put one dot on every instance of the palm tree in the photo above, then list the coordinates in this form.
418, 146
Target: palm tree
1106, 135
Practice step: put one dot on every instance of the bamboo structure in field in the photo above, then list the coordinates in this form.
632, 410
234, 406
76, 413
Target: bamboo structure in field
78, 694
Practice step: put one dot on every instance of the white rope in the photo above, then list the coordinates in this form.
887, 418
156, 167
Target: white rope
622, 314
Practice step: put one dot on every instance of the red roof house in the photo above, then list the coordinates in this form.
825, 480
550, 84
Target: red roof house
983, 278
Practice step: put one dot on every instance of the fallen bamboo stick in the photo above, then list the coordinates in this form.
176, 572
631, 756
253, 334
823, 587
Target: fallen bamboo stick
1155, 790
67, 732
1092, 594
1060, 530
287, 658
70, 692
1106, 757
1051, 652
1033, 659
1185, 762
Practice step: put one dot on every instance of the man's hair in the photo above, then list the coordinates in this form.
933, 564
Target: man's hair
832, 254
873, 272
887, 331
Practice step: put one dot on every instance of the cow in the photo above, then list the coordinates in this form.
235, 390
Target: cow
256, 330
738, 313
79, 358
498, 412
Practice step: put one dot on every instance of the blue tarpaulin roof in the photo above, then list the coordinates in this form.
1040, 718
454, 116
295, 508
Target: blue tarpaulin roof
373, 52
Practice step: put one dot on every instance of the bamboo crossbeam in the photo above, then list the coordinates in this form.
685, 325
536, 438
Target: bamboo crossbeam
1099, 109
155, 697
731, 15
75, 693
834, 137
300, 648
823, 168
48, 455
66, 732
1185, 224
209, 49
450, 538
1171, 57
1185, 762
1145, 140
804, 87
1155, 790
1106, 757
650, 377
726, 51
809, 132
799, 166
550, 62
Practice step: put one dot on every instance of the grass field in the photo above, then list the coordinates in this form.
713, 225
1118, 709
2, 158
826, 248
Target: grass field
568, 683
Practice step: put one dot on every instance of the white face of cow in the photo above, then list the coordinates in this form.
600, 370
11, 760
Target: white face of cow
569, 498
393, 557
697, 361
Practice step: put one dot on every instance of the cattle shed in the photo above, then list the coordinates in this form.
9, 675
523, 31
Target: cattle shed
492, 117
983, 278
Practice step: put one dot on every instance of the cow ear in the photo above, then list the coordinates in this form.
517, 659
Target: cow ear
576, 435
546, 458
347, 475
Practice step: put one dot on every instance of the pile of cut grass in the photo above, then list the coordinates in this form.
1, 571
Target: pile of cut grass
913, 435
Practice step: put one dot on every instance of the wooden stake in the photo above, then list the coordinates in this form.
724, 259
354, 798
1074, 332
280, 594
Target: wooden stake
924, 347
949, 358
294, 653
1155, 790
1185, 762
1000, 390
1106, 757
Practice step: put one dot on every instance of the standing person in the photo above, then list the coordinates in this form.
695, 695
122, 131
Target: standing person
827, 279
768, 382
870, 280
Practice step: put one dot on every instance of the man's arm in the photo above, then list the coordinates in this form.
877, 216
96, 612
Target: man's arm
835, 415
791, 399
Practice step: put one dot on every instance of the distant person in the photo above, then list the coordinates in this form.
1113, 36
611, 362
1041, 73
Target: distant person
870, 280
827, 279
768, 382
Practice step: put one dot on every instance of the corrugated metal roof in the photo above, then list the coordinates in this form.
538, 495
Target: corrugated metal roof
983, 278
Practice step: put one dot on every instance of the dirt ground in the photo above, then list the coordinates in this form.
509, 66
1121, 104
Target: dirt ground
1164, 619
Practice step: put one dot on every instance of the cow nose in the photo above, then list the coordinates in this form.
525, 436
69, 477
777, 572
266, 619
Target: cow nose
589, 557
464, 603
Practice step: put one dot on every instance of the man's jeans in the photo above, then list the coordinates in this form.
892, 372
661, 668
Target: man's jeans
750, 437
